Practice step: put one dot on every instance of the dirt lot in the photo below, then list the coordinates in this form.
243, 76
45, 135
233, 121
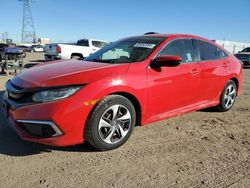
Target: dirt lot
200, 149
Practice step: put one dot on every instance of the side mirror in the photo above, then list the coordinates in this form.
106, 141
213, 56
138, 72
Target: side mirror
166, 60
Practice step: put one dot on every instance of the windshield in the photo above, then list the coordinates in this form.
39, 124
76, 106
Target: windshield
246, 50
129, 50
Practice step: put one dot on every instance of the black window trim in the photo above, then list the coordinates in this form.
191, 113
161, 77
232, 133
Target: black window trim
198, 55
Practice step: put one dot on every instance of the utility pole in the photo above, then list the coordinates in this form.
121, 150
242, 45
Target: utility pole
28, 29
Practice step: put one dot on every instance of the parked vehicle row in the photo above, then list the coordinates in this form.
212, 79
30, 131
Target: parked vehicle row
79, 50
134, 81
244, 56
11, 50
2, 51
82, 49
11, 58
33, 48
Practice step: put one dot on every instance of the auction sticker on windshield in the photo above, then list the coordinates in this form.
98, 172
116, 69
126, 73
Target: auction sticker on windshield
144, 45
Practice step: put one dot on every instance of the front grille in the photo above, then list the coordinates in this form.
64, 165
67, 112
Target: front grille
15, 95
16, 87
18, 94
20, 98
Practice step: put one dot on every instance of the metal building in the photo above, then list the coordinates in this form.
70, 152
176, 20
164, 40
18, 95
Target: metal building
232, 46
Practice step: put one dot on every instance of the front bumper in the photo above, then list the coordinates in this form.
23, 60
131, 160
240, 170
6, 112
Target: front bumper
50, 57
246, 63
42, 129
66, 118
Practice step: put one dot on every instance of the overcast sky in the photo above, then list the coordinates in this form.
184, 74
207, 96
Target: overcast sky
69, 20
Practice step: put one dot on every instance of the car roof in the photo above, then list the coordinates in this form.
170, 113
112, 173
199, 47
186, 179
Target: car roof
93, 40
183, 36
174, 36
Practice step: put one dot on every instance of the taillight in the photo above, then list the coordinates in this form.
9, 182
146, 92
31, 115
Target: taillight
58, 49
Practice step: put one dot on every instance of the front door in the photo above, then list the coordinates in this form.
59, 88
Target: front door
171, 88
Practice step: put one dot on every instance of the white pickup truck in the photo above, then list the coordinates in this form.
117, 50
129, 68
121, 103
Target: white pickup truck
80, 50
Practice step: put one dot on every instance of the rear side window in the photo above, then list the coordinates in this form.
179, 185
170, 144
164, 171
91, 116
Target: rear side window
208, 51
180, 47
222, 53
98, 44
82, 43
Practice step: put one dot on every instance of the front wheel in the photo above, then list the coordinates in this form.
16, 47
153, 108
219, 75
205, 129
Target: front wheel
228, 97
111, 123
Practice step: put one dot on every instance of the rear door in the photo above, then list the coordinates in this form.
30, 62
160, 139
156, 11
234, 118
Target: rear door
214, 69
171, 88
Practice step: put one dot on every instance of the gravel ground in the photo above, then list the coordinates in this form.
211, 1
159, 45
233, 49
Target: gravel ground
200, 149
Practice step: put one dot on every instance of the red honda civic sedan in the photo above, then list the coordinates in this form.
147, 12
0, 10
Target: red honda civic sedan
134, 81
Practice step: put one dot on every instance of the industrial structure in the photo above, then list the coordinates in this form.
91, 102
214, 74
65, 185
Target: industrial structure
43, 41
28, 28
232, 46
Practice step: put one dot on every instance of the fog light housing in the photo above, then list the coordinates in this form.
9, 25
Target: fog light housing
42, 129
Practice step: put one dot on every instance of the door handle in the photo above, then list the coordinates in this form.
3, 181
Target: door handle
194, 72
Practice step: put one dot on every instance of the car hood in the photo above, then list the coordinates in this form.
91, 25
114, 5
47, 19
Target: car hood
61, 73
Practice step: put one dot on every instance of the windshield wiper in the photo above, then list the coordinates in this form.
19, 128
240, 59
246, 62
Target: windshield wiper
103, 61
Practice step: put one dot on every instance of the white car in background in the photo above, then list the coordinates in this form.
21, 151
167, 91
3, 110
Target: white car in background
37, 48
81, 49
244, 56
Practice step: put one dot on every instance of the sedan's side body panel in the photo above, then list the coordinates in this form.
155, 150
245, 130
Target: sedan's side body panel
160, 92
170, 88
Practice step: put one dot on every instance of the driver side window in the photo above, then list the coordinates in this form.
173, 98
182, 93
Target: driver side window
180, 47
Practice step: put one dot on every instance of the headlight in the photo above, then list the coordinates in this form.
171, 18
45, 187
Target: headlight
54, 94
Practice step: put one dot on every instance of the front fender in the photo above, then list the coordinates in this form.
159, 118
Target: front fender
93, 92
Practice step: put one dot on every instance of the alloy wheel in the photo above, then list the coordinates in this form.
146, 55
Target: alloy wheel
114, 124
229, 96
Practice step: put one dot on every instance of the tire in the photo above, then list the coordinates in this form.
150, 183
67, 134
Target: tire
76, 57
110, 123
228, 97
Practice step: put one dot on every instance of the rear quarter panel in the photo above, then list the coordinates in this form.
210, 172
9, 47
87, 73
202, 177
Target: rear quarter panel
237, 72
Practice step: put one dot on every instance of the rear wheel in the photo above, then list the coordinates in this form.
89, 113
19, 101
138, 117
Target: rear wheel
111, 123
228, 97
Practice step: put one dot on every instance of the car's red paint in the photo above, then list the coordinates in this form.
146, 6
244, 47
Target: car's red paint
168, 58
63, 73
162, 93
